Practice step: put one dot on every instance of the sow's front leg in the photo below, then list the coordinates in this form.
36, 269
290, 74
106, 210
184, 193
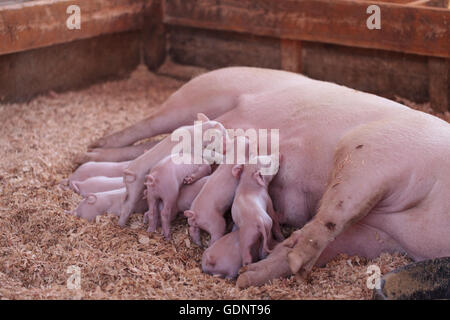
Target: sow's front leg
349, 197
167, 118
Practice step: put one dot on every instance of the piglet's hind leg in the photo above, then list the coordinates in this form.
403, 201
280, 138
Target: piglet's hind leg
152, 215
248, 237
167, 215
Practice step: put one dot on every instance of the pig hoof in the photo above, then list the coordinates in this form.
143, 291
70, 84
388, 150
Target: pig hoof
123, 219
243, 281
64, 184
295, 261
273, 267
199, 243
302, 277
187, 180
166, 234
151, 220
83, 158
76, 188
151, 225
99, 143
72, 186
122, 223
243, 270
80, 158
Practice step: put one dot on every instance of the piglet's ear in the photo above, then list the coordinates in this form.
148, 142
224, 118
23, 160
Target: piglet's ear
237, 170
189, 214
259, 178
91, 198
202, 117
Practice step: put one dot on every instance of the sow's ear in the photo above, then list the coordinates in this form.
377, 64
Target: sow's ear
202, 117
237, 170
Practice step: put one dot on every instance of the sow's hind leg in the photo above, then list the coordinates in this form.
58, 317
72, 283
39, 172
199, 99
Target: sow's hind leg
180, 109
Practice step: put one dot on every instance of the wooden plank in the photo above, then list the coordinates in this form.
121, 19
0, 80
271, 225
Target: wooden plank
439, 3
431, 3
42, 23
394, 1
217, 49
154, 35
410, 29
385, 73
418, 2
439, 90
291, 55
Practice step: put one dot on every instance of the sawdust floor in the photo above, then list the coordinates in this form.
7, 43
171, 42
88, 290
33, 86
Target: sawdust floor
39, 242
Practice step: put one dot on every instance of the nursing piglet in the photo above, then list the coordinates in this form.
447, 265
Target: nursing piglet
95, 169
163, 185
188, 192
252, 209
208, 208
97, 184
223, 258
104, 202
109, 201
216, 197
